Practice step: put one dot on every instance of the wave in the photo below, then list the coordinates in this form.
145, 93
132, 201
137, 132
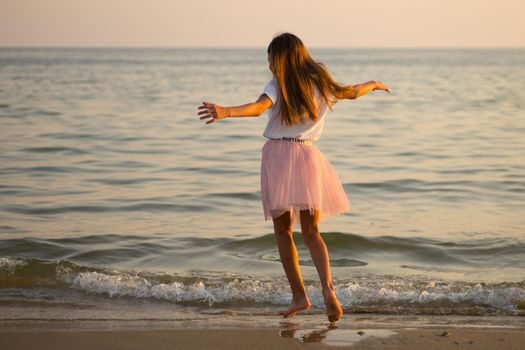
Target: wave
54, 150
346, 250
148, 206
374, 294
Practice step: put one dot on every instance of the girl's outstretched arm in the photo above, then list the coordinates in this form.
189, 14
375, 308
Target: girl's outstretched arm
216, 112
359, 90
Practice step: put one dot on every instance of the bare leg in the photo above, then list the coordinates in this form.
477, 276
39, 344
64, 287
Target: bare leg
319, 254
290, 260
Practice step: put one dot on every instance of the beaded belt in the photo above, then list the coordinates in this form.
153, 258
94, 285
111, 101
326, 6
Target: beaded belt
291, 139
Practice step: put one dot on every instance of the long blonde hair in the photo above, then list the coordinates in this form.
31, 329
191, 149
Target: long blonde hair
296, 72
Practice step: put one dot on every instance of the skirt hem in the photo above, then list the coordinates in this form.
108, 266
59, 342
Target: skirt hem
295, 213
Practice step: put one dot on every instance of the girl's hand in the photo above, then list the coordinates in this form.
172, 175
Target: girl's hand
381, 86
213, 111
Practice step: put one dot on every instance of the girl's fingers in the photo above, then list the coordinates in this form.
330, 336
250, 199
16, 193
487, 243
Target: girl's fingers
204, 114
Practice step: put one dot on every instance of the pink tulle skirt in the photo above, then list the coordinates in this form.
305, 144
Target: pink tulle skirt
297, 176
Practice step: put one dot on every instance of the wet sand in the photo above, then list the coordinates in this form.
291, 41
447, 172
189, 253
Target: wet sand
78, 335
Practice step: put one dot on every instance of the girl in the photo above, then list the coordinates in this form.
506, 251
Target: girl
298, 184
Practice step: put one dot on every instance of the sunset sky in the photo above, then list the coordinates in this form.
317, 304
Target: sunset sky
247, 23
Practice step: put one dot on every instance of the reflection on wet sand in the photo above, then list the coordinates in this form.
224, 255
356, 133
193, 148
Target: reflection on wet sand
331, 334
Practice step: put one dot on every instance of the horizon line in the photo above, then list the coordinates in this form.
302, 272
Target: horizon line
252, 47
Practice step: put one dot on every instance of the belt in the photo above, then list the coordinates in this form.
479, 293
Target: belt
291, 139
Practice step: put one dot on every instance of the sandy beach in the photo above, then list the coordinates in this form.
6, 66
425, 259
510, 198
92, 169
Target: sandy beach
367, 333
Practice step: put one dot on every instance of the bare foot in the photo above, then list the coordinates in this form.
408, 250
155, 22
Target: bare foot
333, 308
296, 306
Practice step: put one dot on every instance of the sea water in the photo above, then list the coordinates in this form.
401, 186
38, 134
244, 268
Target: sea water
116, 199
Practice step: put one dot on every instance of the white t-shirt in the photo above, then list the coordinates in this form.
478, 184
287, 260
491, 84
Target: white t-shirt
310, 130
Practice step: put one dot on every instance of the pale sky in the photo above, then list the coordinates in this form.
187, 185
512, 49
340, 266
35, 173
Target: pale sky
248, 23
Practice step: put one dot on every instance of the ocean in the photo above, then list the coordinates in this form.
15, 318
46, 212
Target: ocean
117, 202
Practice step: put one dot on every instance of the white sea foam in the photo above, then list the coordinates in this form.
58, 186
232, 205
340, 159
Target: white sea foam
446, 294
379, 295
9, 264
137, 286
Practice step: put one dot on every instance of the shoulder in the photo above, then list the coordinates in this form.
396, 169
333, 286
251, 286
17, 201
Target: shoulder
272, 83
270, 90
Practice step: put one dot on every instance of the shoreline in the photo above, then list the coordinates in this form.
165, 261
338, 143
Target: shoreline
359, 331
